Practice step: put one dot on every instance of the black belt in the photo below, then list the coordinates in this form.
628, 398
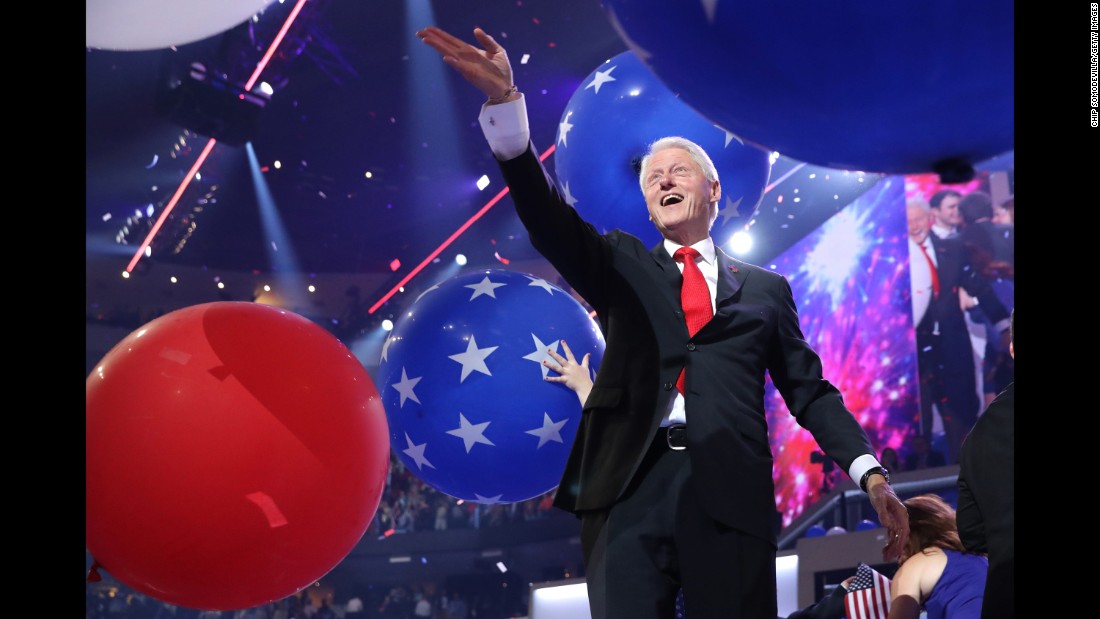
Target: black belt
673, 437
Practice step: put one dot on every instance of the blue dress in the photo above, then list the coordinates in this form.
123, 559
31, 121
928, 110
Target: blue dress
958, 593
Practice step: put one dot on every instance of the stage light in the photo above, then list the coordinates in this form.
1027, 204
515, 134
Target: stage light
740, 242
483, 182
500, 566
209, 105
460, 260
387, 325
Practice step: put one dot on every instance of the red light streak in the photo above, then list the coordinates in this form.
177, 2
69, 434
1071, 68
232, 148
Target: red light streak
210, 145
457, 233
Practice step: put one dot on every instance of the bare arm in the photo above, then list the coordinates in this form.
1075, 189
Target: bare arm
905, 590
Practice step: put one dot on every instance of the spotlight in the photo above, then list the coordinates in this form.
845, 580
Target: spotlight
460, 260
387, 325
740, 242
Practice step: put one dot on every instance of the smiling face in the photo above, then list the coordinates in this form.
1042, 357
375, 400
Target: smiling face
947, 214
682, 202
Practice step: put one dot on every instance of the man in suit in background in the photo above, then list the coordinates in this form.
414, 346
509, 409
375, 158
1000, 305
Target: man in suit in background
938, 270
671, 468
986, 516
946, 217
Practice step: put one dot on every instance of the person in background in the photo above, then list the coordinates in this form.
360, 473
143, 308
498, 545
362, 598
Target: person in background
936, 573
939, 270
672, 477
889, 459
921, 454
990, 249
946, 218
986, 517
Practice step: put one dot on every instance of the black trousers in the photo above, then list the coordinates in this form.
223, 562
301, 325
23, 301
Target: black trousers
657, 539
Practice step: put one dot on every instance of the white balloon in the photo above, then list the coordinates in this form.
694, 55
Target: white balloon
134, 25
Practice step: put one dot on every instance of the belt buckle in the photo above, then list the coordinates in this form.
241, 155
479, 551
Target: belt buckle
668, 437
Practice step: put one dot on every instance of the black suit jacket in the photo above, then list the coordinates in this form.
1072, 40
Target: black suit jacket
956, 271
636, 295
986, 516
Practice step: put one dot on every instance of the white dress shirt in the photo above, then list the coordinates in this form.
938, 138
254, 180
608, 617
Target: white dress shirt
920, 278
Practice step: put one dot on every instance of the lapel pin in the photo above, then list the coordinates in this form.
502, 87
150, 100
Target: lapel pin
733, 269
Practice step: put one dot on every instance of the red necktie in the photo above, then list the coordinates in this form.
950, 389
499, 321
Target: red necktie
932, 269
694, 297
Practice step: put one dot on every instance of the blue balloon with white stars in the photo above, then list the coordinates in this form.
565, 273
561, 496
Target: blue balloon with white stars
605, 130
462, 383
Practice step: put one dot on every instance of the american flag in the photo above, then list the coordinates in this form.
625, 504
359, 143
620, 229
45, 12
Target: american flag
868, 596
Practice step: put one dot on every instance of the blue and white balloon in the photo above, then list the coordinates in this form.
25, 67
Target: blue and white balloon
609, 123
462, 383
888, 87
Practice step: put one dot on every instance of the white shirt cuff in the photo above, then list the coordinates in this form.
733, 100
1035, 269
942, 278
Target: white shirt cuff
861, 465
505, 128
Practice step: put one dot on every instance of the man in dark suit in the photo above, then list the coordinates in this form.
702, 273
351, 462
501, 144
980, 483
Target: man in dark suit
673, 484
986, 516
939, 269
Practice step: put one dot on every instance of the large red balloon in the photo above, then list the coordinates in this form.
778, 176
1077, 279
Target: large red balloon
236, 453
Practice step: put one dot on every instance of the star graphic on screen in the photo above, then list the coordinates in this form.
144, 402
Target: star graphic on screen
541, 283
484, 287
563, 129
569, 199
416, 452
405, 388
488, 500
550, 430
471, 433
473, 359
729, 211
601, 78
541, 353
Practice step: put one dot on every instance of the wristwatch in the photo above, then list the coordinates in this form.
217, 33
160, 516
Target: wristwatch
881, 470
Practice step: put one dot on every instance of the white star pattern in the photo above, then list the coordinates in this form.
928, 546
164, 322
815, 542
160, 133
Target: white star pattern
473, 359
541, 283
600, 79
416, 452
470, 433
730, 136
563, 129
485, 287
729, 211
541, 353
405, 388
550, 430
569, 199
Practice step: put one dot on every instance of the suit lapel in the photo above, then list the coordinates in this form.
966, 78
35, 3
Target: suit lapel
670, 273
731, 275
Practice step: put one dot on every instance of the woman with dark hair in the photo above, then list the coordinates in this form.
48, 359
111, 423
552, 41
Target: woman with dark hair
935, 572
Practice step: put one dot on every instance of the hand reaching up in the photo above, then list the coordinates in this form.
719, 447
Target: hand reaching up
486, 68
